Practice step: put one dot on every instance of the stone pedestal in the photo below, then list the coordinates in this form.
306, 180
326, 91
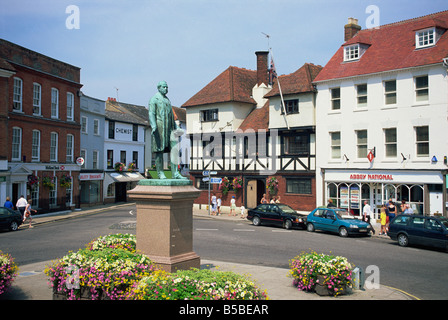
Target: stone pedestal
165, 222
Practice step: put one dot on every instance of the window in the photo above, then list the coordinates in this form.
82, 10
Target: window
16, 144
335, 145
95, 159
70, 106
70, 142
110, 159
351, 52
134, 132
422, 141
361, 143
298, 144
84, 124
291, 106
53, 193
53, 146
425, 38
361, 90
390, 91
37, 93
390, 141
300, 186
209, 115
336, 98
111, 129
135, 158
17, 95
35, 146
54, 103
123, 156
68, 193
421, 88
96, 127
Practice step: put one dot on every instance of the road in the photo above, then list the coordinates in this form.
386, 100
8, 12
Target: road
418, 271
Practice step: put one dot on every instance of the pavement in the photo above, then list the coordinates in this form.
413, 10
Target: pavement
31, 283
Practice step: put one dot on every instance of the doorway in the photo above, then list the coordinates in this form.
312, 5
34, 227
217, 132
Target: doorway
254, 192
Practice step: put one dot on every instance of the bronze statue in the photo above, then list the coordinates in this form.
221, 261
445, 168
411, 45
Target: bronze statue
164, 131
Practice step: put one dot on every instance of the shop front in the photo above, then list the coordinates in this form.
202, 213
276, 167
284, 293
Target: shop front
91, 188
421, 189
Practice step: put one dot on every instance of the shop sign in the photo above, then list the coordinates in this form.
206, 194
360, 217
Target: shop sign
91, 176
388, 177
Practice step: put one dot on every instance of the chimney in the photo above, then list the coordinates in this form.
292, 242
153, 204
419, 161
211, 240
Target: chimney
351, 28
262, 67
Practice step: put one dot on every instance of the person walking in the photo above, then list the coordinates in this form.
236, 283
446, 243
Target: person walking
232, 206
392, 212
28, 210
218, 204
8, 204
264, 200
21, 205
383, 218
213, 201
367, 214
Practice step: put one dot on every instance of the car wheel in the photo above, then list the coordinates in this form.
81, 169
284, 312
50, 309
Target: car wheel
343, 232
310, 227
256, 221
288, 224
403, 240
13, 226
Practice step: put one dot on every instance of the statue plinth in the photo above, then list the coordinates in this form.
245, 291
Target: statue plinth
165, 222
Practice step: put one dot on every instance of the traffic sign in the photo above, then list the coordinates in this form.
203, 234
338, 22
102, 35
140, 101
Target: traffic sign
215, 180
212, 173
205, 173
205, 179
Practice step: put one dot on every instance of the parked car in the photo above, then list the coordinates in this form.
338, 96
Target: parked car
277, 214
421, 230
10, 219
336, 220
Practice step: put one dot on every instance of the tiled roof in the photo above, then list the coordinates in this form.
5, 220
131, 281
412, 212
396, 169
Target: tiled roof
5, 65
232, 85
297, 82
258, 119
180, 114
128, 113
390, 47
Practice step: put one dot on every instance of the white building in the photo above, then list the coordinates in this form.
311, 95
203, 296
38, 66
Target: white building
384, 94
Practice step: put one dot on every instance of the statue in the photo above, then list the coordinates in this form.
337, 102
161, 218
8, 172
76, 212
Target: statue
164, 131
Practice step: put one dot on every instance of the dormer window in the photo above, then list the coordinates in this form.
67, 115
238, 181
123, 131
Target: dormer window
351, 52
425, 38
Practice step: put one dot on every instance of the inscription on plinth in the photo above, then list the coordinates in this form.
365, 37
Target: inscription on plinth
165, 222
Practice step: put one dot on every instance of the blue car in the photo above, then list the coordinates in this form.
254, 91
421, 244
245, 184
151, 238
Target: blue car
333, 220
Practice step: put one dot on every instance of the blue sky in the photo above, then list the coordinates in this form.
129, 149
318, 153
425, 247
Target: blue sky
133, 44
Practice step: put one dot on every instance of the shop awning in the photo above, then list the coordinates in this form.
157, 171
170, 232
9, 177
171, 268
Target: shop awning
124, 177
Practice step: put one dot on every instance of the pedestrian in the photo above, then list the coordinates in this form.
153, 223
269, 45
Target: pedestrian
218, 203
8, 204
403, 206
21, 205
272, 200
28, 213
213, 200
264, 200
330, 204
242, 212
408, 210
383, 217
392, 211
232, 206
367, 214
277, 200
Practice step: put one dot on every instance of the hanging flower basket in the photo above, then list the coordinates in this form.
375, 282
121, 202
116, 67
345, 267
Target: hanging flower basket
33, 181
66, 181
131, 166
119, 166
224, 186
48, 182
272, 185
237, 184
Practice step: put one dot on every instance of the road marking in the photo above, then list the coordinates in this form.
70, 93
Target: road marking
206, 229
243, 230
281, 230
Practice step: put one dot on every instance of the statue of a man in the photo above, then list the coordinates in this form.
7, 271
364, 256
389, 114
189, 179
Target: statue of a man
164, 131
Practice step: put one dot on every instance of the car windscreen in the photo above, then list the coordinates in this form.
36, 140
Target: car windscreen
287, 209
444, 221
341, 213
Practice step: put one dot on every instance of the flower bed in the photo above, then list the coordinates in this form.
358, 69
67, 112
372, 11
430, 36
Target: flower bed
195, 284
327, 273
8, 272
110, 268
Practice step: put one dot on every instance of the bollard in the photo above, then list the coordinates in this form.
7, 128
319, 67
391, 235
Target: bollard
358, 278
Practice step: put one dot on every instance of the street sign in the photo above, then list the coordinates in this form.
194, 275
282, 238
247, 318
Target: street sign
215, 180
212, 173
205, 179
370, 156
205, 173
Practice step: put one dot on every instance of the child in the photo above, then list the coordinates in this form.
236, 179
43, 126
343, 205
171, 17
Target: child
242, 212
383, 221
232, 206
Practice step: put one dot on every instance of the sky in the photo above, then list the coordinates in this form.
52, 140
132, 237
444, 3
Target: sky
125, 47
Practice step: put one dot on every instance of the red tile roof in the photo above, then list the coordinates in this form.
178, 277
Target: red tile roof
297, 82
232, 85
258, 119
391, 47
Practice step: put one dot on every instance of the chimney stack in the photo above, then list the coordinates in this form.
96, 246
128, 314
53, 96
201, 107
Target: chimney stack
262, 67
351, 29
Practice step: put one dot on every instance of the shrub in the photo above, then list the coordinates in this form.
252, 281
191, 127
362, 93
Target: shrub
115, 241
8, 272
334, 271
195, 284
